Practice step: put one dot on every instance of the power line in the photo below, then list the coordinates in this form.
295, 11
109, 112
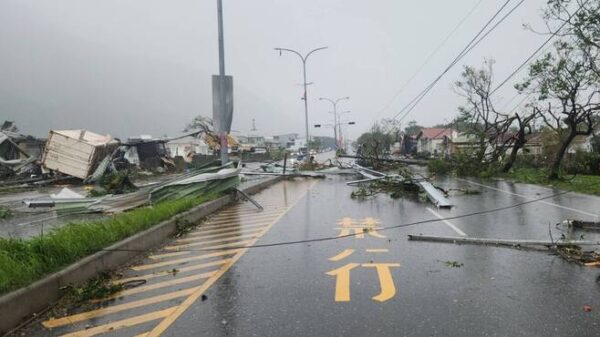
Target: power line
431, 55
332, 238
543, 46
411, 106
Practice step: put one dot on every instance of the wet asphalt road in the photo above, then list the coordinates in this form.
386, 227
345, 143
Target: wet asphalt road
394, 287
285, 291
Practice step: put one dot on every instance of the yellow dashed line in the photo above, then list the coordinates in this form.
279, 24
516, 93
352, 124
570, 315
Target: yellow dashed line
54, 323
158, 285
221, 221
170, 272
195, 236
224, 230
166, 255
222, 235
123, 323
225, 245
184, 260
202, 243
165, 323
246, 213
233, 225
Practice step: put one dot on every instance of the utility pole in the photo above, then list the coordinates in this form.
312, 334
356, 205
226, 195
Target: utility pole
335, 116
304, 58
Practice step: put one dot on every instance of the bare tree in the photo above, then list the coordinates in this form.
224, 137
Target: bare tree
489, 126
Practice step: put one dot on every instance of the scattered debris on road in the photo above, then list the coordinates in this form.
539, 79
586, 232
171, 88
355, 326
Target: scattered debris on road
584, 225
569, 250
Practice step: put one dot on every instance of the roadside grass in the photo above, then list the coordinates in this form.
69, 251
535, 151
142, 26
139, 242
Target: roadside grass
587, 184
5, 213
23, 261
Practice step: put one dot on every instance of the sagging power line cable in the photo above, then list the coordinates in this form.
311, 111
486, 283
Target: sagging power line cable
431, 55
542, 47
474, 43
380, 229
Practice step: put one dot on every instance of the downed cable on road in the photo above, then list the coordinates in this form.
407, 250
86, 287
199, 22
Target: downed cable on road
366, 229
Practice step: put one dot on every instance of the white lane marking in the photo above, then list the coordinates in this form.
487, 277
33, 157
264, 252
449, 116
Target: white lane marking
531, 198
448, 223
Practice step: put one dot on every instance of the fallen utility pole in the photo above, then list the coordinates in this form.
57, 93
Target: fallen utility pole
500, 242
434, 195
389, 160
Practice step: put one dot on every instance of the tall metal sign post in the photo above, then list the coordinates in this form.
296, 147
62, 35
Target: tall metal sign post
222, 87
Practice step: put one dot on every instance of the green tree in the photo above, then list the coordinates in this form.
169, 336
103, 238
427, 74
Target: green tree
567, 95
374, 144
412, 128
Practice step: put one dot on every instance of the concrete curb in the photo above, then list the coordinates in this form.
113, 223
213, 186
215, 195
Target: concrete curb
21, 304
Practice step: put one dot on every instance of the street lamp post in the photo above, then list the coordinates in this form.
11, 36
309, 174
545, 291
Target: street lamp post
335, 116
335, 125
304, 58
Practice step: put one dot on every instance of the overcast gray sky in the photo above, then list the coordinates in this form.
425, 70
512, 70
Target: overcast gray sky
130, 67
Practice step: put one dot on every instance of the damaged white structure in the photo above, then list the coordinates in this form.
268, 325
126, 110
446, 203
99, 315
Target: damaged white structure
76, 152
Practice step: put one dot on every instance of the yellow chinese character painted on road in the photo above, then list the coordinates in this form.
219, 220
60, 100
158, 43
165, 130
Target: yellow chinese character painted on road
350, 226
342, 275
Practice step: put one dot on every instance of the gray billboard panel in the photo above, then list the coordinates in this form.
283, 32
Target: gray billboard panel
222, 116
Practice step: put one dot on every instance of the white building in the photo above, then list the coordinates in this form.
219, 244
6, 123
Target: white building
187, 147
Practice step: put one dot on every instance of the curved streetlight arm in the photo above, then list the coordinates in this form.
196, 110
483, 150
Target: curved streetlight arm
312, 51
305, 57
291, 51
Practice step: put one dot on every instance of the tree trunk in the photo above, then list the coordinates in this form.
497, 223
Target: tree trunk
513, 157
519, 143
554, 169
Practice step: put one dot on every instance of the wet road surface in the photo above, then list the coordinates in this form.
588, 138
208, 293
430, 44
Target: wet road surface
374, 283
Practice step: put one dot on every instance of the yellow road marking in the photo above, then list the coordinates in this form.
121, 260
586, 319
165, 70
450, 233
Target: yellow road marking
378, 250
226, 239
170, 272
222, 235
225, 245
123, 323
53, 323
226, 229
166, 255
158, 285
236, 219
231, 226
245, 213
197, 235
240, 244
165, 323
248, 212
187, 259
342, 281
388, 289
342, 255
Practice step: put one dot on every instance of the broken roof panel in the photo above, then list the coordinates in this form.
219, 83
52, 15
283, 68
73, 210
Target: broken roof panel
76, 152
